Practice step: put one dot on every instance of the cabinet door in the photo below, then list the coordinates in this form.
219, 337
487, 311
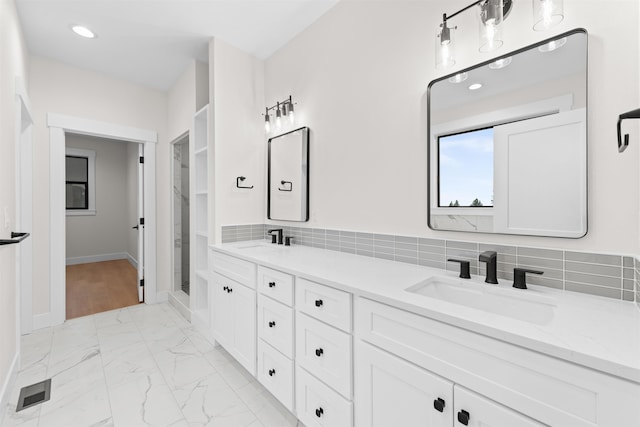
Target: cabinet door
473, 410
221, 316
244, 326
390, 391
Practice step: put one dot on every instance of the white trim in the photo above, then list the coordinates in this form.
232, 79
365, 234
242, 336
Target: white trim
492, 118
162, 296
90, 155
132, 261
7, 387
21, 93
59, 124
97, 258
42, 320
179, 305
100, 129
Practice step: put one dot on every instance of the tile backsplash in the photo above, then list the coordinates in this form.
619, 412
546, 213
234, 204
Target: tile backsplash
612, 276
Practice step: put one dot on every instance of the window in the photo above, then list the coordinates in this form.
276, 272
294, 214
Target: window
80, 181
465, 169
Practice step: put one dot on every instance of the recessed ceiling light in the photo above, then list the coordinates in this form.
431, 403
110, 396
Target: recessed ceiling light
553, 45
458, 78
500, 63
83, 31
475, 86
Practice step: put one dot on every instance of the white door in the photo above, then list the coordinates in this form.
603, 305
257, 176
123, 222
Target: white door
390, 391
244, 326
141, 223
222, 322
474, 410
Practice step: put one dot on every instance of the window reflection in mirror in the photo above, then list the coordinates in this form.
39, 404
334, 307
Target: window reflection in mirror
507, 143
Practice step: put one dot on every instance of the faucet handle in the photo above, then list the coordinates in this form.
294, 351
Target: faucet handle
520, 277
464, 268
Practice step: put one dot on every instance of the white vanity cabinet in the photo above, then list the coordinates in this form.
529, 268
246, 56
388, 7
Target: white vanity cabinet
234, 308
496, 383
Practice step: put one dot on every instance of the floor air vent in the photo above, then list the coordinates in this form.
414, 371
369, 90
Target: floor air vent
34, 394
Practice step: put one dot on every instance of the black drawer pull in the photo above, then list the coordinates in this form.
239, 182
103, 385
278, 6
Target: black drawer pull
230, 290
272, 284
318, 302
439, 404
463, 417
272, 372
224, 288
319, 412
272, 324
319, 352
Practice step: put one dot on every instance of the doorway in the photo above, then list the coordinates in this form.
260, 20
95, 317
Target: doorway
101, 203
181, 219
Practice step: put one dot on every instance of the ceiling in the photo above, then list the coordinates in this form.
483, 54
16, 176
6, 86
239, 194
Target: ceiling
151, 42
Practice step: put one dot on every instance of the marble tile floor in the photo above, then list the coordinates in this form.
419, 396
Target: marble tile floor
143, 365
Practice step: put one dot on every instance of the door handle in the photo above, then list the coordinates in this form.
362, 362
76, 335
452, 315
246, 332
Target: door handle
136, 227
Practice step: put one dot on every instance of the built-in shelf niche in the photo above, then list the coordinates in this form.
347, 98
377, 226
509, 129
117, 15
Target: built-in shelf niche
200, 296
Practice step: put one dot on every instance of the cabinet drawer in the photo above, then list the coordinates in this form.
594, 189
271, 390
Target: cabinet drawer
276, 284
324, 303
234, 268
319, 406
275, 372
325, 352
275, 325
550, 390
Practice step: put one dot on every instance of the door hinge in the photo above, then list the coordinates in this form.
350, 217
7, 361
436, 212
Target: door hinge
142, 283
141, 221
141, 159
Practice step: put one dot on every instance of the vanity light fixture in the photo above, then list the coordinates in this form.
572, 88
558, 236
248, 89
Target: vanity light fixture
83, 31
500, 63
553, 45
282, 108
547, 14
459, 78
492, 13
475, 86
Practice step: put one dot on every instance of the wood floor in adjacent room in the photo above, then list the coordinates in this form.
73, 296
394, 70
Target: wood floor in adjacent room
100, 286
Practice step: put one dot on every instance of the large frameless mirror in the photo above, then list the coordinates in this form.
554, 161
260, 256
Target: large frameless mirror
508, 143
288, 181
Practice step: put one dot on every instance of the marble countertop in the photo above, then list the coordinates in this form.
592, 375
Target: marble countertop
597, 332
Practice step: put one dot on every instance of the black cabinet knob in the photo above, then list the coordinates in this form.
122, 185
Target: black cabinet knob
272, 284
272, 324
463, 417
318, 302
230, 290
224, 288
319, 412
319, 352
272, 372
439, 404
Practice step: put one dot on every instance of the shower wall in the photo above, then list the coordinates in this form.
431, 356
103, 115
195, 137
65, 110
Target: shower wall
181, 215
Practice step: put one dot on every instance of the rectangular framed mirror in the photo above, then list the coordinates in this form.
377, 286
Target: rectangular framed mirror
508, 143
288, 176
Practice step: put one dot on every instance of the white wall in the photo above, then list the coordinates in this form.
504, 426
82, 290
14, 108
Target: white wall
360, 74
238, 140
13, 63
108, 231
64, 89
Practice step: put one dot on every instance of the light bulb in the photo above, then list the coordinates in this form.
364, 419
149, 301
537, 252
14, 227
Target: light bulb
278, 119
547, 14
291, 115
267, 126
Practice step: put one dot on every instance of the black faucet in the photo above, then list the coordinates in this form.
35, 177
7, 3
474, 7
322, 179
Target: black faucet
491, 258
273, 236
464, 268
520, 277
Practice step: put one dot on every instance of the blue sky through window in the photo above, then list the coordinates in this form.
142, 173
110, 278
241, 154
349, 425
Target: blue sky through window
466, 168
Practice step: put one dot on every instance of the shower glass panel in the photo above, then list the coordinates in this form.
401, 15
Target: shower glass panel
181, 215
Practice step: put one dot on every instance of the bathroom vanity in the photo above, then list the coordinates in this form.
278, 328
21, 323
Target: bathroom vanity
346, 340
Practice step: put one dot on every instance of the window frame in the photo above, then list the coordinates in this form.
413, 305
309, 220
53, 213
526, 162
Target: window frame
90, 155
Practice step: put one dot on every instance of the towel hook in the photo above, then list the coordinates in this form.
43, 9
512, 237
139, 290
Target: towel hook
239, 179
634, 114
284, 184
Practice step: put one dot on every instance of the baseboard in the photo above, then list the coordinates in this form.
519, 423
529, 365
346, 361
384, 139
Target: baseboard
41, 321
162, 296
132, 261
97, 258
179, 305
7, 387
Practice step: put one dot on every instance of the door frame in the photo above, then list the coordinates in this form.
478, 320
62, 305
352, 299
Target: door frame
58, 125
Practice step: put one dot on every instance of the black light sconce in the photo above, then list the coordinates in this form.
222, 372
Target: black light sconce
282, 109
633, 114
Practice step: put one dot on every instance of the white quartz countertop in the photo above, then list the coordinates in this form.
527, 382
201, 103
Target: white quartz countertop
597, 332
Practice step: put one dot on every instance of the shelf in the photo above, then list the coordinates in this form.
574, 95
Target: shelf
203, 274
202, 192
202, 234
15, 238
202, 150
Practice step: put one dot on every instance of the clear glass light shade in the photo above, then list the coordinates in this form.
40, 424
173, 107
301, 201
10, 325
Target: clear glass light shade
490, 25
445, 46
547, 14
267, 124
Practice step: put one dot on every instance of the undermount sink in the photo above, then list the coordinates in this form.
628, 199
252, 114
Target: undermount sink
513, 303
258, 245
